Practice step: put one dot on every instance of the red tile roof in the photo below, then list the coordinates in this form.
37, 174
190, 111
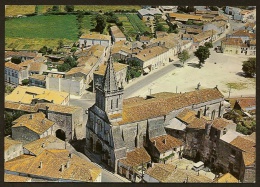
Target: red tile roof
246, 102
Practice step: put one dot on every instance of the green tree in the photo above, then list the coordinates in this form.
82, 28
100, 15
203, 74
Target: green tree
25, 81
60, 44
63, 67
160, 27
45, 50
9, 117
202, 53
213, 8
183, 56
36, 9
69, 8
55, 8
249, 67
173, 29
8, 89
208, 44
100, 23
16, 59
189, 22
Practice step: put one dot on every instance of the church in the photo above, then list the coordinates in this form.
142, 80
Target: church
117, 126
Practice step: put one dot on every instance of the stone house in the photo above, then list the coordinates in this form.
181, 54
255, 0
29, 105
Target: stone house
64, 167
68, 120
14, 73
136, 162
165, 148
24, 55
117, 34
246, 104
94, 39
148, 14
203, 37
152, 58
234, 46
33, 95
252, 47
30, 127
73, 86
37, 80
120, 70
37, 68
116, 126
122, 50
244, 35
183, 17
219, 27
250, 27
12, 148
168, 9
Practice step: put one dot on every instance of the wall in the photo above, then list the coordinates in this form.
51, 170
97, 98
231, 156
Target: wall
105, 43
13, 152
24, 134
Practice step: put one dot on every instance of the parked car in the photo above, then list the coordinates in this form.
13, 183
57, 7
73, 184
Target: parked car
198, 166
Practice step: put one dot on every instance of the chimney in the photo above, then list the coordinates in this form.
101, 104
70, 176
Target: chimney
31, 116
200, 113
70, 155
62, 168
154, 142
68, 164
40, 164
164, 141
43, 145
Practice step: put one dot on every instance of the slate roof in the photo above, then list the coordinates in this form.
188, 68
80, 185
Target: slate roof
136, 157
166, 142
35, 122
139, 109
78, 169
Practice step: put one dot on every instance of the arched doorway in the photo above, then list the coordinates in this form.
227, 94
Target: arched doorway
61, 134
91, 143
98, 146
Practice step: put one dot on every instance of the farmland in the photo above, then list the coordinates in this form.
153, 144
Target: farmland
88, 23
14, 10
40, 29
104, 8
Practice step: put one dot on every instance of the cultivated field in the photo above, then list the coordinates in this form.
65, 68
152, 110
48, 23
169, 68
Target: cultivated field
32, 32
14, 10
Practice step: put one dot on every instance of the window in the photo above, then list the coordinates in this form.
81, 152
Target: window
117, 103
111, 103
174, 149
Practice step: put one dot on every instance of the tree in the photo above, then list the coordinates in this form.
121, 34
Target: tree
9, 117
213, 8
45, 50
159, 27
249, 67
25, 81
202, 53
183, 56
16, 59
190, 9
100, 23
69, 8
189, 22
55, 8
208, 44
60, 44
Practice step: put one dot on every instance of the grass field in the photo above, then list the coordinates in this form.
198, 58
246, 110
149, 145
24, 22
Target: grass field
39, 28
137, 23
87, 23
14, 10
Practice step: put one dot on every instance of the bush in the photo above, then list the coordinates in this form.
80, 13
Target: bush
249, 67
208, 45
16, 59
25, 81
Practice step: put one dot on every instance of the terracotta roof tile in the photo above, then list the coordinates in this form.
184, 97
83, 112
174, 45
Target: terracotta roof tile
166, 142
227, 178
136, 157
36, 66
138, 109
35, 122
8, 142
117, 67
161, 171
246, 102
58, 108
16, 178
13, 66
150, 53
78, 70
204, 35
20, 53
220, 123
78, 169
249, 158
233, 41
244, 144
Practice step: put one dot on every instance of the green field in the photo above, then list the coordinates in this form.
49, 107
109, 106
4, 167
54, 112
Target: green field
105, 8
88, 23
137, 23
40, 28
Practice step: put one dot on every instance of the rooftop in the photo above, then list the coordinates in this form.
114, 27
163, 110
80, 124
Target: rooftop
38, 77
227, 178
246, 102
8, 142
117, 33
38, 146
166, 142
75, 70
36, 66
136, 157
35, 122
244, 144
185, 16
233, 41
74, 168
150, 53
139, 109
230, 136
20, 53
117, 67
204, 35
221, 123
26, 95
15, 178
95, 36
13, 66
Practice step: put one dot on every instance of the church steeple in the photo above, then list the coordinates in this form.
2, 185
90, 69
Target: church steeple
109, 83
109, 97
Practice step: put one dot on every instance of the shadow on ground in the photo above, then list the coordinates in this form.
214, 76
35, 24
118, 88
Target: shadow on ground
194, 65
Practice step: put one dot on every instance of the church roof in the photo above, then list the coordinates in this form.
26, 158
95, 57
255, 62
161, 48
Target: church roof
109, 82
139, 109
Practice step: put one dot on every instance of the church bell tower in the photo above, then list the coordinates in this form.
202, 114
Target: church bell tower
109, 97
